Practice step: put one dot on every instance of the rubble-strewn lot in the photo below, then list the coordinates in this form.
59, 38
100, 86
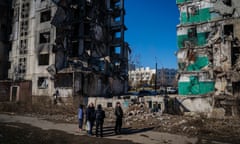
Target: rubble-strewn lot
138, 117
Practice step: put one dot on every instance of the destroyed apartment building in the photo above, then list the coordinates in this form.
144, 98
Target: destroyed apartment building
208, 39
67, 50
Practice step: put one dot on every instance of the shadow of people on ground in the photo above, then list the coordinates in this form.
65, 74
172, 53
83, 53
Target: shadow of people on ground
109, 131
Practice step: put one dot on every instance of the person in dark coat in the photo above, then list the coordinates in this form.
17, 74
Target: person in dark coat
99, 116
119, 115
90, 117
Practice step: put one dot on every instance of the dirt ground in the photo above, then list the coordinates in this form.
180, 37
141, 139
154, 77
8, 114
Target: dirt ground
226, 130
15, 133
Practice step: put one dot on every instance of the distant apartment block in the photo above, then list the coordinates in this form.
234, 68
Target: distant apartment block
141, 76
146, 76
166, 77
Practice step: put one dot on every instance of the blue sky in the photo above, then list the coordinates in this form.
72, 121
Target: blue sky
152, 31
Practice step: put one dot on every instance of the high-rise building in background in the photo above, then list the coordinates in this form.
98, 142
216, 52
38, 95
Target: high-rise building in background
68, 48
208, 39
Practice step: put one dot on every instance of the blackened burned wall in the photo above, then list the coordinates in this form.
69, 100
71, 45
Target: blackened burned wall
5, 30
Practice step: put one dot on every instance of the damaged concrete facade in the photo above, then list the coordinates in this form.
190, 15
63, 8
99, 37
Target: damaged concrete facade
209, 47
69, 49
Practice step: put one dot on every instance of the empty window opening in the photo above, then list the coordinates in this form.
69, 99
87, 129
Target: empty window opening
22, 65
117, 4
117, 19
87, 45
192, 11
117, 34
42, 82
23, 47
44, 37
117, 50
45, 16
227, 2
235, 55
43, 59
64, 80
87, 29
228, 30
192, 33
75, 48
109, 104
24, 28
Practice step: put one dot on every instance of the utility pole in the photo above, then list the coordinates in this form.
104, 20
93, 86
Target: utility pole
156, 76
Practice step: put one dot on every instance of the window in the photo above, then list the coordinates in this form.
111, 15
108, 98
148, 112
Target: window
42, 82
228, 30
64, 80
43, 59
45, 16
192, 33
22, 65
227, 2
23, 47
117, 50
109, 104
192, 10
44, 37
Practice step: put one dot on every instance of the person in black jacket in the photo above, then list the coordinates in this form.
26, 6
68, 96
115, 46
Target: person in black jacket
99, 116
119, 116
90, 117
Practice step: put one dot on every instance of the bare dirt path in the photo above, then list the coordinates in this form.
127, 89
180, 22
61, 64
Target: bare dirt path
137, 136
142, 137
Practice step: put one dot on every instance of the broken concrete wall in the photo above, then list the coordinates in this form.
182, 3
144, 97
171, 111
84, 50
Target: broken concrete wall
208, 56
150, 102
84, 39
196, 104
86, 42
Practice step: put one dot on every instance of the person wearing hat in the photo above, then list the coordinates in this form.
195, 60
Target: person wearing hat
119, 115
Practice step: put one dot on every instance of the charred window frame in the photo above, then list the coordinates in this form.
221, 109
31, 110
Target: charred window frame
45, 16
43, 59
44, 37
42, 82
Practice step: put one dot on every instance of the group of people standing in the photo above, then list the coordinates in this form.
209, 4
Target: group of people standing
97, 116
